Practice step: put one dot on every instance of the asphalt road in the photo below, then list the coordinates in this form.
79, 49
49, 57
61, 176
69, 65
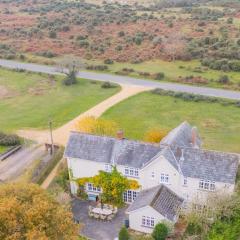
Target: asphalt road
128, 80
15, 165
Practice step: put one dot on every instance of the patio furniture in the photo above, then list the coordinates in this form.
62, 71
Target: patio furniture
110, 217
115, 210
103, 217
101, 211
90, 214
96, 216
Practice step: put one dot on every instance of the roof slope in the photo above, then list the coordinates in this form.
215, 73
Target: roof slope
209, 165
176, 147
181, 136
110, 150
161, 198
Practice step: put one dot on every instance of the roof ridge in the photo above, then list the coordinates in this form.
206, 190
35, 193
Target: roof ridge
115, 138
156, 195
210, 150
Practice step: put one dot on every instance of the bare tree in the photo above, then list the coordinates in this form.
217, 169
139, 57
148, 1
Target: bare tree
174, 44
70, 66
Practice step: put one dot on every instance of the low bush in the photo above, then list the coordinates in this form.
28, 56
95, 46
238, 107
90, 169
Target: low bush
224, 79
196, 98
97, 67
9, 140
159, 76
108, 61
108, 85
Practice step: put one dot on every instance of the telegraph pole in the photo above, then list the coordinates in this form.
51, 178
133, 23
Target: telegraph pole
51, 137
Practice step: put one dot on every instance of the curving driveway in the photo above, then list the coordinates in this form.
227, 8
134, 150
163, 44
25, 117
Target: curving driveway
128, 80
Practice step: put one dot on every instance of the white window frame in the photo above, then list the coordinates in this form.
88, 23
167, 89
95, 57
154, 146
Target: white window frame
148, 221
164, 178
91, 188
108, 167
129, 196
185, 181
207, 185
131, 172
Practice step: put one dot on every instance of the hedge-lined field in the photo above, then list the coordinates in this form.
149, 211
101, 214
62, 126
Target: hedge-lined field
219, 125
29, 100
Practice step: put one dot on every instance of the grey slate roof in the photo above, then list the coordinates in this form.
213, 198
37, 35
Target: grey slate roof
108, 150
176, 147
161, 198
181, 136
209, 165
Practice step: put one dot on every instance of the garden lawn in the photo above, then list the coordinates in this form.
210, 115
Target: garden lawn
29, 100
172, 70
219, 125
3, 149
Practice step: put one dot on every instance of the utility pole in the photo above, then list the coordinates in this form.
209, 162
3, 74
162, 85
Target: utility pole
51, 137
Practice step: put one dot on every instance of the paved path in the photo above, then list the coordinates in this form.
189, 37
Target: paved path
128, 80
61, 134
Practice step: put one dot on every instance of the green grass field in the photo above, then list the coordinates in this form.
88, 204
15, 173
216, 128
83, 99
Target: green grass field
173, 70
3, 149
219, 125
29, 100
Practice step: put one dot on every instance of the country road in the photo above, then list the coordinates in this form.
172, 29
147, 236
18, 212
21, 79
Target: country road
15, 165
127, 80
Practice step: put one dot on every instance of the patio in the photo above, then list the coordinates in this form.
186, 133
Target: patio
97, 229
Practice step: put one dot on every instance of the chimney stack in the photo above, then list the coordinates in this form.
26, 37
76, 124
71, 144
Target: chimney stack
194, 137
120, 135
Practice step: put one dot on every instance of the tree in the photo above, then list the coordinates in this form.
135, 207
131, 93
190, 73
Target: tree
70, 67
123, 234
29, 212
154, 135
113, 185
160, 232
97, 126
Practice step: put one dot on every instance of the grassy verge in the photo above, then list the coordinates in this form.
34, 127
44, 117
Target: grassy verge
218, 124
3, 149
172, 70
50, 166
29, 100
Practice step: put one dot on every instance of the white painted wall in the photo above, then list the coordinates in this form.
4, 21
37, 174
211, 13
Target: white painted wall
158, 166
135, 218
191, 192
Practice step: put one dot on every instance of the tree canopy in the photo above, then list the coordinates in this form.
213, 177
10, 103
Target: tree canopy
113, 185
97, 126
28, 212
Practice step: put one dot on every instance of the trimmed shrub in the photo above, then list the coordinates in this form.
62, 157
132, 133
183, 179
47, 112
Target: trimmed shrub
160, 232
123, 234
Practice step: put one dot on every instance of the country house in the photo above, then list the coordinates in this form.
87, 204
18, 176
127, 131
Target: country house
173, 173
